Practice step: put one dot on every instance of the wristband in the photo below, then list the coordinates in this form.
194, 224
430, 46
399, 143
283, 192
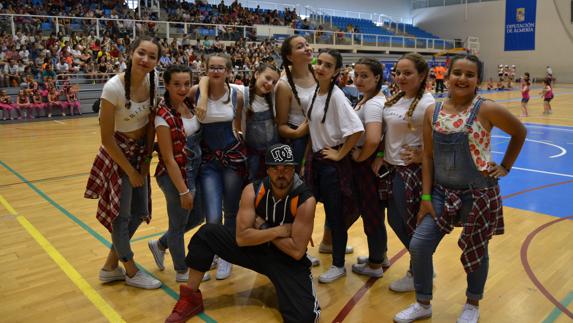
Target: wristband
426, 197
506, 169
181, 194
147, 159
380, 154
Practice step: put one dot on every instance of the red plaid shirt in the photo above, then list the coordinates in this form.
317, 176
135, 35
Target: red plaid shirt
178, 139
484, 220
104, 182
234, 157
412, 177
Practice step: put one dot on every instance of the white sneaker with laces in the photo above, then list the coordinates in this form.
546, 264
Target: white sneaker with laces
142, 280
414, 312
223, 269
206, 277
108, 276
182, 277
332, 274
364, 260
470, 314
404, 284
315, 262
158, 254
366, 270
324, 248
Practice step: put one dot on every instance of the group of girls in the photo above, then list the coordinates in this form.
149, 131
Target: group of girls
546, 94
35, 101
405, 154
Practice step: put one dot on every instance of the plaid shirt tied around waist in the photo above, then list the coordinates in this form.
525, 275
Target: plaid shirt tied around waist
178, 139
484, 220
411, 175
233, 157
104, 182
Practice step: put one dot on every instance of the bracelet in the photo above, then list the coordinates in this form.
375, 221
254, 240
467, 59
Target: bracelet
426, 197
264, 226
181, 194
380, 154
506, 169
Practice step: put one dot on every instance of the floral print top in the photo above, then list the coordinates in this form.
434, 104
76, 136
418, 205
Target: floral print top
479, 138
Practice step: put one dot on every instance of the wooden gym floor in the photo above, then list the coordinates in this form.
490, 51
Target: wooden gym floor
53, 246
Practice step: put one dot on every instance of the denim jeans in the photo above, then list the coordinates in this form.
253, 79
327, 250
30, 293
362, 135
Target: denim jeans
425, 240
328, 184
397, 213
261, 133
180, 221
133, 208
298, 146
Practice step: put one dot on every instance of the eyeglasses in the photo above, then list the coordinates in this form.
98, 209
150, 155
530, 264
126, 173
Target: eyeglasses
217, 69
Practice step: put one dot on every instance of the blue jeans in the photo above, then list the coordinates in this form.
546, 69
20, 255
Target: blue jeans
397, 213
221, 187
329, 193
180, 221
133, 208
425, 240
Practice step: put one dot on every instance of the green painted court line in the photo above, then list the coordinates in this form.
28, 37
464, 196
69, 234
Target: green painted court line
556, 312
92, 232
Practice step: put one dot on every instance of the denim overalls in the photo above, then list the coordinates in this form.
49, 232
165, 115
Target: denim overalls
453, 168
220, 183
261, 133
180, 219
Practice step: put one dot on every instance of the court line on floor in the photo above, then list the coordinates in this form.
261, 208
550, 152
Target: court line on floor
92, 232
92, 295
531, 274
45, 179
556, 312
347, 308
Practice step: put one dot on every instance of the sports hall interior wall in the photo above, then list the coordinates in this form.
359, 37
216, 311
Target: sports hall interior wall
486, 20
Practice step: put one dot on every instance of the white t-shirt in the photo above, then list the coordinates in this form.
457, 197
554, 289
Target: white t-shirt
218, 110
371, 112
396, 131
126, 120
341, 121
295, 115
190, 125
259, 104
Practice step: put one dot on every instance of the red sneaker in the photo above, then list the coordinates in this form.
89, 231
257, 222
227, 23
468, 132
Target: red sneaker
190, 303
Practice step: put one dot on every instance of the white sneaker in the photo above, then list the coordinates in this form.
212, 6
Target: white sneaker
214, 262
313, 260
470, 314
364, 260
404, 284
206, 277
223, 269
366, 270
324, 248
158, 254
182, 277
332, 274
412, 313
108, 276
142, 280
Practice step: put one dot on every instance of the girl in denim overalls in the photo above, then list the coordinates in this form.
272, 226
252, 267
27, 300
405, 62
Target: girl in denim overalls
178, 135
460, 185
223, 169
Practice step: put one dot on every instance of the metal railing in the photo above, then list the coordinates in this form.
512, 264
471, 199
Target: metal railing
419, 4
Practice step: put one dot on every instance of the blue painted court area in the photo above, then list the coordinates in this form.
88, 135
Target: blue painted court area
545, 160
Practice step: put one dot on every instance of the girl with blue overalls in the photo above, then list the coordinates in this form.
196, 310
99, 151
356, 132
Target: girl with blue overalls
223, 170
460, 185
178, 135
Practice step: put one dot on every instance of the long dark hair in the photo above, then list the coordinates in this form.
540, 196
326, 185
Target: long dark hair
422, 69
377, 70
127, 75
471, 58
336, 54
286, 50
173, 69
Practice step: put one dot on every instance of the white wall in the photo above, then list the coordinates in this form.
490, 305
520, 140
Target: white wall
553, 40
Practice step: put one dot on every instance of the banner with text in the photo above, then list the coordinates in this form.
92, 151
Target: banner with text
520, 24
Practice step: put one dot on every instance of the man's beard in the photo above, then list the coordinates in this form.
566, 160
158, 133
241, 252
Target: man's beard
281, 182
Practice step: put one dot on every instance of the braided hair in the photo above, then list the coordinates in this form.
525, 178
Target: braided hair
286, 50
127, 75
336, 54
253, 84
422, 69
376, 69
228, 66
172, 69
